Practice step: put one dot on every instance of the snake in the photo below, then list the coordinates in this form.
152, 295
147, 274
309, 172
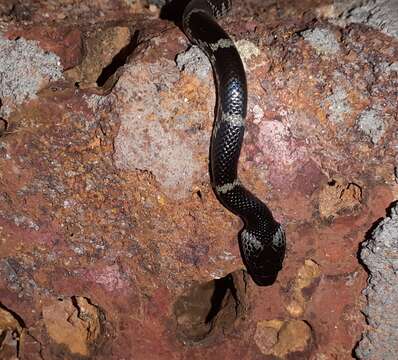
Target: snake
262, 239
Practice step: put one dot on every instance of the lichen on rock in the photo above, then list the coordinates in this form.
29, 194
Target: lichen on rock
105, 191
323, 40
380, 255
380, 14
24, 69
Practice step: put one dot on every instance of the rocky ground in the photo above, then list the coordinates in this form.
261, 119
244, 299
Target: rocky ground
112, 243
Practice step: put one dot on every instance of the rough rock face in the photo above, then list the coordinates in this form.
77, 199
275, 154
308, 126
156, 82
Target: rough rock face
380, 255
380, 14
112, 243
22, 79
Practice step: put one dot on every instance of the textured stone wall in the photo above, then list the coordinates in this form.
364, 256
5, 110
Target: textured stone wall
112, 243
380, 255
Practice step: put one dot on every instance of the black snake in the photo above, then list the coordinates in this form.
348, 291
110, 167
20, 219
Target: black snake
262, 239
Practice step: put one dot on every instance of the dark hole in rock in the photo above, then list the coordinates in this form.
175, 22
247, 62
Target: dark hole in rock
118, 61
210, 309
3, 126
222, 288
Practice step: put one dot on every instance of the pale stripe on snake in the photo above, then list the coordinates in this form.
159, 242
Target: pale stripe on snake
262, 239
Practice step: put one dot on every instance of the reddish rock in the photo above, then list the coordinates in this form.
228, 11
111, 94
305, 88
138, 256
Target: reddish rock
62, 41
280, 338
73, 323
11, 333
105, 197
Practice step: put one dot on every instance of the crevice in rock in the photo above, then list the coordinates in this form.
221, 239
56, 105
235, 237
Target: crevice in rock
3, 123
14, 314
353, 354
222, 287
368, 236
332, 182
41, 348
211, 308
81, 303
75, 325
118, 61
11, 328
199, 194
3, 126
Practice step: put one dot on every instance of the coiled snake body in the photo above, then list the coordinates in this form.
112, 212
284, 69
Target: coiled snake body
262, 239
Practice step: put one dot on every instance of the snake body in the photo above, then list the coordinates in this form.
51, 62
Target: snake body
262, 239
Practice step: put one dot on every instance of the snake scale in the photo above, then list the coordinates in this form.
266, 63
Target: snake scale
262, 239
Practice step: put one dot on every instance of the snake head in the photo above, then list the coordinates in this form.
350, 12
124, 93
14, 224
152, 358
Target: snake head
263, 253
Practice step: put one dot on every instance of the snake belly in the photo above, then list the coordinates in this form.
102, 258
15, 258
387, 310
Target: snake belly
262, 239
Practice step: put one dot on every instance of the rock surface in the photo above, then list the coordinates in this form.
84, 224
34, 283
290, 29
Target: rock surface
109, 230
380, 255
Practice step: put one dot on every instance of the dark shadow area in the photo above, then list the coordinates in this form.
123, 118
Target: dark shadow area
353, 354
368, 235
119, 60
332, 182
199, 194
222, 287
3, 123
3, 126
173, 11
211, 308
